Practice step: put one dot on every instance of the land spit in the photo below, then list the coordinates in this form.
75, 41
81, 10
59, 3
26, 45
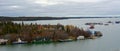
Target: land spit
13, 33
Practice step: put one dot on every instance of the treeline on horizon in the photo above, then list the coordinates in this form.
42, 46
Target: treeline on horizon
3, 18
32, 18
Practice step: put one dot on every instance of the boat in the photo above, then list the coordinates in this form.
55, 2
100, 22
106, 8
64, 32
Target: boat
91, 26
3, 41
20, 41
117, 22
109, 22
65, 40
95, 35
94, 23
41, 42
80, 37
106, 24
92, 37
98, 34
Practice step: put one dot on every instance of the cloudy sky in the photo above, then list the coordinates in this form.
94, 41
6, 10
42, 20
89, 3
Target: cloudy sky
59, 7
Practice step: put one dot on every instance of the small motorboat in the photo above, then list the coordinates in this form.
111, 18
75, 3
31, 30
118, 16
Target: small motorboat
20, 41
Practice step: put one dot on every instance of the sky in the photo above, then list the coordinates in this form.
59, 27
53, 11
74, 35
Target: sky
59, 7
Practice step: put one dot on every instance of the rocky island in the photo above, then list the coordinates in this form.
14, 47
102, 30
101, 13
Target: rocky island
13, 33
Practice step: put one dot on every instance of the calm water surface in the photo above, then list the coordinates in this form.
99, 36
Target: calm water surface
110, 41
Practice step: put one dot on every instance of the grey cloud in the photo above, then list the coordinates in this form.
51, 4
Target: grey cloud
108, 7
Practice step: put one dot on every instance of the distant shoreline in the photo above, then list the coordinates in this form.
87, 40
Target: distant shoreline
4, 18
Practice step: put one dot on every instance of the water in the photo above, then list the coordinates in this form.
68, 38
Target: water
108, 42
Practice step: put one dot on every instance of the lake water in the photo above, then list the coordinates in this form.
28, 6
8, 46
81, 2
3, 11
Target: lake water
110, 41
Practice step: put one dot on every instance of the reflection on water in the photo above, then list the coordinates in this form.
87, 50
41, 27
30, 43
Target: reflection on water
108, 42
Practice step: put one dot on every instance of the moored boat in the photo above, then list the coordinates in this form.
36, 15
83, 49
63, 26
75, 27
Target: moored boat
91, 27
3, 41
20, 41
66, 40
80, 37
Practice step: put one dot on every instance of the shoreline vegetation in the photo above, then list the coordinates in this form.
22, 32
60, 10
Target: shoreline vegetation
13, 33
26, 18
